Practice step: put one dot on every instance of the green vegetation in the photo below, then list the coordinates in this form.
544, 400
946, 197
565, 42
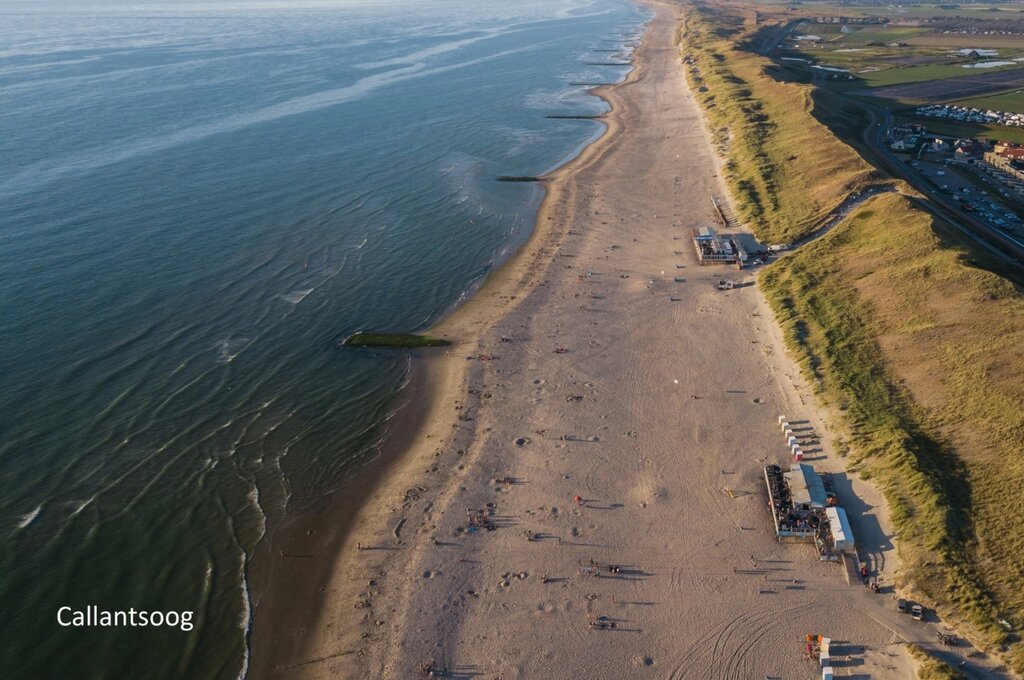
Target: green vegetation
859, 58
930, 668
916, 74
916, 346
785, 169
1008, 101
882, 34
972, 40
393, 341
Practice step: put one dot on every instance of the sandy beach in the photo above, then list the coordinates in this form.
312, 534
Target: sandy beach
600, 362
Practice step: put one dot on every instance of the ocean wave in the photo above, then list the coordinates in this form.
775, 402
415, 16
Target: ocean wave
245, 619
254, 498
28, 517
44, 172
229, 348
296, 296
425, 53
81, 505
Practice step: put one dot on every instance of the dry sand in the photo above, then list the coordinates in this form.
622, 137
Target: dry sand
655, 400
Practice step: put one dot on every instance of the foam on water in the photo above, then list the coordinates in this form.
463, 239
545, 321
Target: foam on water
28, 518
296, 296
229, 348
245, 620
79, 506
254, 498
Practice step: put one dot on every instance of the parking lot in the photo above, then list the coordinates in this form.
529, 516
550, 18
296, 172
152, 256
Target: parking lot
977, 191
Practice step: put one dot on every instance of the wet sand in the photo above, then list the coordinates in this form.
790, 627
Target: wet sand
599, 362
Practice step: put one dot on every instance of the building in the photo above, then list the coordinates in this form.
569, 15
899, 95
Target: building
839, 524
909, 130
804, 509
1013, 168
806, 488
968, 148
1013, 153
715, 249
797, 498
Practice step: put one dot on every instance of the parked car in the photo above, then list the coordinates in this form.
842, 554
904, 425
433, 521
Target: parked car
917, 612
901, 606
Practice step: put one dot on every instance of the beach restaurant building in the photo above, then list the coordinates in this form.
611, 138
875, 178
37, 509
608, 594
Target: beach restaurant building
797, 499
715, 249
803, 510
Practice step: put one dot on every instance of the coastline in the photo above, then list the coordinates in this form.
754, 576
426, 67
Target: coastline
314, 552
668, 392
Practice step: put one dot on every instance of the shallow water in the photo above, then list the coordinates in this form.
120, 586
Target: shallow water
196, 201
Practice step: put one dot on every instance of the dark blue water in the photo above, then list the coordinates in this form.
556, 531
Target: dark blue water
196, 200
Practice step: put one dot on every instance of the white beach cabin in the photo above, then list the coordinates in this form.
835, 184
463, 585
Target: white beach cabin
842, 536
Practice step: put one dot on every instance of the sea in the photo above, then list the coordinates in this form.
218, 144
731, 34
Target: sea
198, 199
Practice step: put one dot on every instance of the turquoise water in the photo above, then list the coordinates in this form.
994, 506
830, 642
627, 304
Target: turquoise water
197, 199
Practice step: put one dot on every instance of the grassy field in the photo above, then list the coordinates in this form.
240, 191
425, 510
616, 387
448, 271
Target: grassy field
1008, 101
917, 347
956, 40
827, 32
854, 59
785, 169
857, 58
917, 74
906, 12
882, 34
857, 33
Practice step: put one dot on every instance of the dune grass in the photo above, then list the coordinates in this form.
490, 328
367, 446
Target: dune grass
918, 348
930, 668
784, 168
